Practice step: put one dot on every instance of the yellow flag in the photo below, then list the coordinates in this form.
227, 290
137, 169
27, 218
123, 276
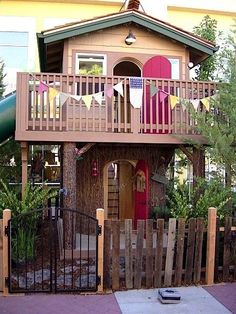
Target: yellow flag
52, 94
87, 100
206, 103
173, 101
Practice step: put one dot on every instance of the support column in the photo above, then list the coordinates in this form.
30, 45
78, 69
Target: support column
69, 185
211, 239
24, 167
100, 218
198, 163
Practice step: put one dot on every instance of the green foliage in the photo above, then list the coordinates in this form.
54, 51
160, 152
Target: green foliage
160, 212
2, 75
207, 29
33, 197
186, 202
10, 171
95, 70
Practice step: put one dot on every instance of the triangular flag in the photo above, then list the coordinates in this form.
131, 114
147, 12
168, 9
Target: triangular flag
119, 88
206, 103
98, 97
52, 94
173, 101
42, 88
87, 100
195, 103
63, 98
76, 97
109, 92
136, 91
183, 106
162, 95
153, 90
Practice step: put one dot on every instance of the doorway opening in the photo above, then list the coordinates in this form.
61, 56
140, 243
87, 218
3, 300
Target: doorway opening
119, 195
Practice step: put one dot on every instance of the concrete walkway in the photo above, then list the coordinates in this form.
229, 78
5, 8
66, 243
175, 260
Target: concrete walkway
194, 300
218, 299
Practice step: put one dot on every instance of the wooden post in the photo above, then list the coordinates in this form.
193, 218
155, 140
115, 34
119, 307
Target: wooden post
211, 237
5, 270
100, 218
24, 168
1, 254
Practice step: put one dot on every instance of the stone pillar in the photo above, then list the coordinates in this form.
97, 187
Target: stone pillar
24, 165
69, 198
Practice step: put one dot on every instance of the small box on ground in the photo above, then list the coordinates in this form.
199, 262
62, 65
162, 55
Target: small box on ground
168, 295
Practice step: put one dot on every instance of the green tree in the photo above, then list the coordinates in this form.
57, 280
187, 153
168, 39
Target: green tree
2, 76
218, 125
207, 29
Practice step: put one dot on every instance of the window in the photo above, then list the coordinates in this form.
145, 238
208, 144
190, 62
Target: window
174, 68
89, 64
14, 49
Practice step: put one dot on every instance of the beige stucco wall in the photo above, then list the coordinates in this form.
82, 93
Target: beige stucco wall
111, 42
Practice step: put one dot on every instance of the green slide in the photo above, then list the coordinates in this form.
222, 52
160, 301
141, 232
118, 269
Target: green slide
7, 116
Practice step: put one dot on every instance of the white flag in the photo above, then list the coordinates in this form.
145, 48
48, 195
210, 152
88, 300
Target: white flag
98, 97
76, 97
119, 88
195, 103
136, 91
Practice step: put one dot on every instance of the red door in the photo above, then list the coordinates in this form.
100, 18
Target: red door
141, 191
155, 111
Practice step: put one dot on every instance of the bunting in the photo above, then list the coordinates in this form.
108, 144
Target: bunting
162, 95
153, 90
136, 95
136, 91
173, 101
42, 88
206, 102
109, 92
52, 94
87, 99
63, 98
119, 88
98, 97
195, 103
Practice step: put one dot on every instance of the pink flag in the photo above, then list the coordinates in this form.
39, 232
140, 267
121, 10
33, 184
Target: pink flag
163, 95
42, 88
109, 92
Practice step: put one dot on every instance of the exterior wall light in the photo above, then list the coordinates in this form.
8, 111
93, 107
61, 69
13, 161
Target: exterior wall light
130, 39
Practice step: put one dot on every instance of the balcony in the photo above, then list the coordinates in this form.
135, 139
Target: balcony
113, 119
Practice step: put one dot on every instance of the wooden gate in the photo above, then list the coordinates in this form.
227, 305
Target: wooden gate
53, 250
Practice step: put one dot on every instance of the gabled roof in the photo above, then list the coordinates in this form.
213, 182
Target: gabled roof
59, 34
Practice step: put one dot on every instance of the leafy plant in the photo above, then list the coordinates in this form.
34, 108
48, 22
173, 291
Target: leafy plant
25, 220
33, 197
188, 202
2, 76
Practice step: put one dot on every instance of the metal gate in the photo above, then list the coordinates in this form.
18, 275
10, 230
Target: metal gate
53, 250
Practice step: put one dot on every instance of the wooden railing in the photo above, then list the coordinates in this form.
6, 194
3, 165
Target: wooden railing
114, 114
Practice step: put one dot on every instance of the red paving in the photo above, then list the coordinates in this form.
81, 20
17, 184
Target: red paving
225, 294
59, 304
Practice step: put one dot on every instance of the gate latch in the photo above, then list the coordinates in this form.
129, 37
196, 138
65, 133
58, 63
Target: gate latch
99, 230
6, 232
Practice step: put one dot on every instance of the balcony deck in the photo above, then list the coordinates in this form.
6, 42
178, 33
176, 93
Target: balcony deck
112, 120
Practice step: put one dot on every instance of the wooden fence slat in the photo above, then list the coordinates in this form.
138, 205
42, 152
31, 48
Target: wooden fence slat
227, 242
217, 251
139, 255
115, 254
179, 252
149, 253
170, 252
159, 254
190, 251
107, 255
198, 250
128, 254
